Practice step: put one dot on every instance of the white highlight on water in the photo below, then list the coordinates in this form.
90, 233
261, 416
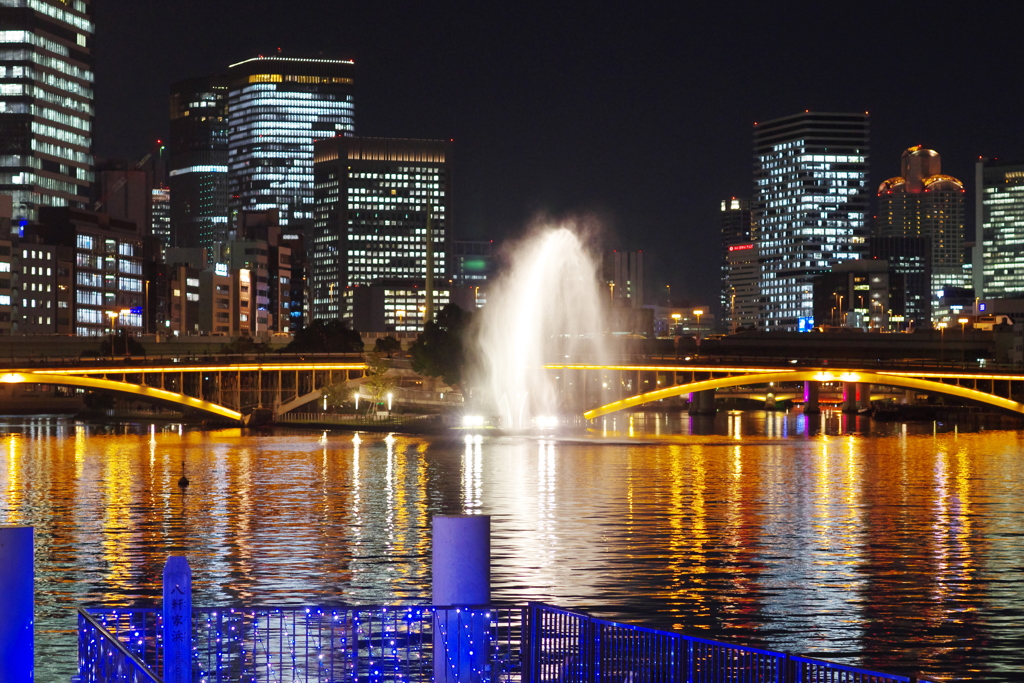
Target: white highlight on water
546, 308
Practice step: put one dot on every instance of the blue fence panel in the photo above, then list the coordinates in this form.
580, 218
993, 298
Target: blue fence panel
539, 644
326, 645
104, 658
577, 648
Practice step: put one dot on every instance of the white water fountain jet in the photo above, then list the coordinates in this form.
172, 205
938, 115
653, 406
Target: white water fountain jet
546, 308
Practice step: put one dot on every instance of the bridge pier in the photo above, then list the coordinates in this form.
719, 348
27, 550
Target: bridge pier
863, 396
702, 402
849, 397
811, 392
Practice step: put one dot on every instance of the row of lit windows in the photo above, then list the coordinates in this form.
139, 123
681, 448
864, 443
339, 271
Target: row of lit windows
260, 92
49, 79
25, 178
58, 99
57, 13
62, 135
47, 62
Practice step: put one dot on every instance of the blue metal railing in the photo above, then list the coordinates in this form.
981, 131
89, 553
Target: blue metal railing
328, 645
104, 658
535, 644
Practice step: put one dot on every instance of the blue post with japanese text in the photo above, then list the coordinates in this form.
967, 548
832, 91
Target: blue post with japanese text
177, 620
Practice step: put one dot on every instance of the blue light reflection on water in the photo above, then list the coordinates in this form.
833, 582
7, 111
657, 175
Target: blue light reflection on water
893, 547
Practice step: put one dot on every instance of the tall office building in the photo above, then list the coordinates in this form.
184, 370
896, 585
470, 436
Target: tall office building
735, 223
623, 274
373, 197
810, 207
198, 167
1000, 219
46, 103
921, 202
279, 106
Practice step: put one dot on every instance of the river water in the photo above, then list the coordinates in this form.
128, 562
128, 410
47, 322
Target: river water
892, 547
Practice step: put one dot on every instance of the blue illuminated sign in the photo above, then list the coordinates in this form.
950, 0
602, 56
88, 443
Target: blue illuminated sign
982, 306
805, 324
136, 310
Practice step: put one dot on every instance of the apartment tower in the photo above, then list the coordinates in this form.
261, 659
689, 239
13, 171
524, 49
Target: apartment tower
921, 202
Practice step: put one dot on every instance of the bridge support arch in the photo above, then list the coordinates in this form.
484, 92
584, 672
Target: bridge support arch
850, 378
123, 388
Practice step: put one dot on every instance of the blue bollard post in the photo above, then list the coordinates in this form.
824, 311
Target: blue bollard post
177, 620
17, 574
461, 574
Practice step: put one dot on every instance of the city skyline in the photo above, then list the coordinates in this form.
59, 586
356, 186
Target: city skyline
643, 119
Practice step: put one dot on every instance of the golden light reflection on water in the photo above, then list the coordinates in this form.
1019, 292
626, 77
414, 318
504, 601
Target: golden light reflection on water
898, 552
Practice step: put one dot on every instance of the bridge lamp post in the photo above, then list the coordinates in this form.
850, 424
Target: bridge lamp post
963, 350
113, 331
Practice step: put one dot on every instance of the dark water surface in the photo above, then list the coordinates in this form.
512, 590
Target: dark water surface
881, 545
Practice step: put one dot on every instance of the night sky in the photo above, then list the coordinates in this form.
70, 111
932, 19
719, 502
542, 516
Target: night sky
640, 115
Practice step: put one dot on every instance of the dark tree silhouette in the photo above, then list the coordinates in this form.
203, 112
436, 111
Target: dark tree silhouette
326, 336
440, 350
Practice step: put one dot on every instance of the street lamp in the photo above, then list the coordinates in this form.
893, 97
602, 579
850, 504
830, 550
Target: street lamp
963, 348
698, 312
676, 317
113, 331
942, 341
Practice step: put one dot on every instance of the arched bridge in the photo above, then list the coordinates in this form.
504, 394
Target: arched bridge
223, 389
597, 390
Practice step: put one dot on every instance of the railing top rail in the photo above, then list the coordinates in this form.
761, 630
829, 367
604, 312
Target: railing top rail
309, 608
116, 644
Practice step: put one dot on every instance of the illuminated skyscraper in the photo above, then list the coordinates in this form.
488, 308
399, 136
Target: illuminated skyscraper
921, 202
278, 107
810, 207
46, 103
1000, 210
735, 224
198, 169
373, 196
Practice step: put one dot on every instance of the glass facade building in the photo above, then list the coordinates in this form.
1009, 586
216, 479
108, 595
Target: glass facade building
46, 103
373, 197
1000, 208
810, 207
198, 165
278, 107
